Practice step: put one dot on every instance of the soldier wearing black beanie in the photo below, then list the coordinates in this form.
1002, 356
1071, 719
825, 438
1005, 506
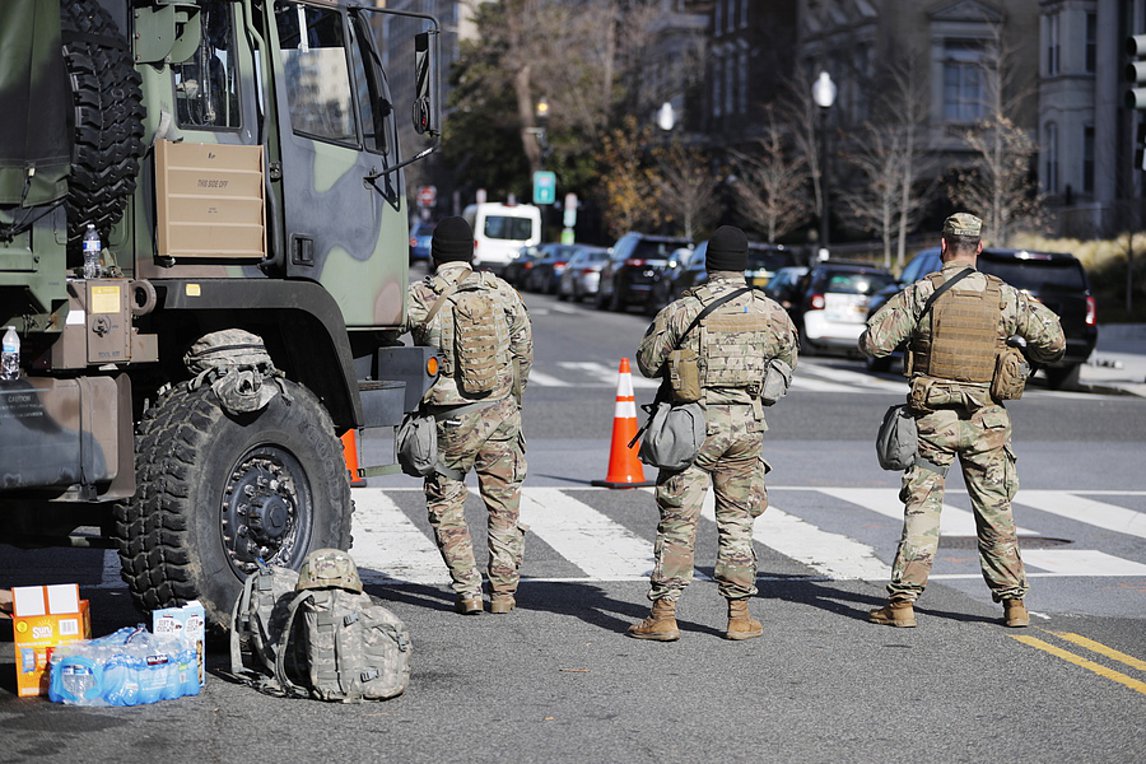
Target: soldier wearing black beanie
727, 250
453, 241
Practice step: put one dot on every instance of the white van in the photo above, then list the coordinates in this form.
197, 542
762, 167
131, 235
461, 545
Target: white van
501, 230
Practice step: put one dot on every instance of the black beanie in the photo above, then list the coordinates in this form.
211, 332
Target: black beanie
453, 241
727, 250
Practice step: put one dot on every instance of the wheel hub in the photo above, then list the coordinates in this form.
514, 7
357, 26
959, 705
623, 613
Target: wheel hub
263, 509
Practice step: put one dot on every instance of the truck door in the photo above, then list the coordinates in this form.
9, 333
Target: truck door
345, 216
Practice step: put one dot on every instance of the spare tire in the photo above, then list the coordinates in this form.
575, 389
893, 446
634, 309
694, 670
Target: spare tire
108, 117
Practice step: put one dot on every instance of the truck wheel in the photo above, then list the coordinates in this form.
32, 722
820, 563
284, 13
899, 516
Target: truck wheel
108, 117
216, 492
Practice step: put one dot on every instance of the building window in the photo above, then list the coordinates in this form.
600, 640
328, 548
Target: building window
729, 93
744, 14
1091, 41
717, 81
963, 100
1088, 159
1052, 45
718, 19
1051, 143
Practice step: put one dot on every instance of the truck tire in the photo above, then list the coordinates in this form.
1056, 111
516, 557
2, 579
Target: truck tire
217, 491
108, 117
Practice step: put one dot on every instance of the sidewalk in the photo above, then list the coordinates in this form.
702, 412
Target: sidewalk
1118, 363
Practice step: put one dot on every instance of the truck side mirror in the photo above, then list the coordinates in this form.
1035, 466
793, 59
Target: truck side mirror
425, 112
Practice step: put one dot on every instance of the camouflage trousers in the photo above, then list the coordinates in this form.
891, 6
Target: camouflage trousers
730, 458
982, 441
489, 442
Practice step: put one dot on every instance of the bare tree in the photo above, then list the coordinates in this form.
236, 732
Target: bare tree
686, 189
628, 181
772, 185
998, 185
873, 203
800, 114
907, 103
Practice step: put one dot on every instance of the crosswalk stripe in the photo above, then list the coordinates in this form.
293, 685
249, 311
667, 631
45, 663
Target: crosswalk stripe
831, 554
1094, 562
819, 386
604, 549
388, 547
855, 378
607, 375
1089, 511
544, 380
953, 521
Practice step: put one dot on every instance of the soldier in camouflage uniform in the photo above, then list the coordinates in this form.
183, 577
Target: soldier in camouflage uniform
480, 433
733, 345
951, 362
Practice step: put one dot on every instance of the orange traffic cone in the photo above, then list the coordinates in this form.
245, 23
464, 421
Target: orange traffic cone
625, 469
350, 455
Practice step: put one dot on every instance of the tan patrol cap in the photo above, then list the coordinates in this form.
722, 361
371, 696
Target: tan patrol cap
962, 224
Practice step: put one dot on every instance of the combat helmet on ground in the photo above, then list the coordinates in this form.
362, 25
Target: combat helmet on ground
326, 568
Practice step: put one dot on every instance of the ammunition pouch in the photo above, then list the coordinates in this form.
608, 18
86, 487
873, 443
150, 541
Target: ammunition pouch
684, 375
917, 395
777, 380
1011, 373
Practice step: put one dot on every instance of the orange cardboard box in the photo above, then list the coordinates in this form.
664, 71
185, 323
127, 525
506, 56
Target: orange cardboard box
44, 617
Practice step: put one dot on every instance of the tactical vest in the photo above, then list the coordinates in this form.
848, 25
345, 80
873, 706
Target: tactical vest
963, 336
735, 344
475, 339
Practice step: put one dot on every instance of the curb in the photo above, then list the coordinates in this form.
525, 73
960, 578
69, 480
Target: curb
1098, 387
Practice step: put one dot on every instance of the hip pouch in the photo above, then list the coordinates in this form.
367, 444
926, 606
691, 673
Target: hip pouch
673, 435
897, 442
1011, 373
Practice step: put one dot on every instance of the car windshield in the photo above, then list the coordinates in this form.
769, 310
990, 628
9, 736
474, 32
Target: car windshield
596, 256
769, 261
424, 229
504, 227
656, 250
1036, 274
856, 282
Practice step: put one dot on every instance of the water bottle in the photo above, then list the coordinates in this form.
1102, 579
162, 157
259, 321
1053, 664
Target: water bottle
10, 355
92, 249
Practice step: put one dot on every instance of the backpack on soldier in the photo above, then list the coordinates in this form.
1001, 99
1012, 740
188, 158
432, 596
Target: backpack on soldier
481, 347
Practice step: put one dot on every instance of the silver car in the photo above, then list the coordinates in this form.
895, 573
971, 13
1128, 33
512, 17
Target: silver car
582, 275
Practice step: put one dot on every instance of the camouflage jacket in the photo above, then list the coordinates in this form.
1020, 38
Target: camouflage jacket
899, 320
671, 322
420, 299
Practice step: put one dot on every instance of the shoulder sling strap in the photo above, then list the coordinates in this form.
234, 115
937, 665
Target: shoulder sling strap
449, 290
708, 309
943, 288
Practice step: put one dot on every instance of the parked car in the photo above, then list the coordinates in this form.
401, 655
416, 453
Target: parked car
546, 272
784, 287
1056, 279
832, 304
687, 268
633, 268
582, 275
420, 237
517, 270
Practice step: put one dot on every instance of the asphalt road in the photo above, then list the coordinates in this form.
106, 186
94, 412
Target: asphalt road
557, 680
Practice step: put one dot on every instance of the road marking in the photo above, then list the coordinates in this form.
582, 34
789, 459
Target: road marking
388, 547
606, 375
544, 380
566, 309
1078, 660
604, 549
953, 521
853, 377
1101, 649
1095, 563
831, 554
819, 386
1089, 511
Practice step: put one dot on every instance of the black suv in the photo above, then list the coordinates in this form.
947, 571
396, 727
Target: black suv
1056, 279
633, 268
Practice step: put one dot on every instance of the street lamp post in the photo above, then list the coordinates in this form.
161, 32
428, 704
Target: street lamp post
824, 94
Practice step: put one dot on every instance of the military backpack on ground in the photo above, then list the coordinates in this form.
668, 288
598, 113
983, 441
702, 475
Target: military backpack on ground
346, 647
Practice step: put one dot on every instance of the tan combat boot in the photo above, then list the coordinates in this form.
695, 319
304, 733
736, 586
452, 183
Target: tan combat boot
900, 613
1015, 614
469, 604
501, 602
741, 625
660, 625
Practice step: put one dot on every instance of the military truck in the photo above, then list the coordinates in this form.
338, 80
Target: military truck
241, 162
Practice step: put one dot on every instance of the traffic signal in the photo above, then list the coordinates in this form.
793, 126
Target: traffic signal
1136, 72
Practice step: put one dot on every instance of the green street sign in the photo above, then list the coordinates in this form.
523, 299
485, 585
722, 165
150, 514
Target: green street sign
544, 187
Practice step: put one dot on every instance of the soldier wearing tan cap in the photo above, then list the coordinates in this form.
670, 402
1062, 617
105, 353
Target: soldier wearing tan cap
958, 324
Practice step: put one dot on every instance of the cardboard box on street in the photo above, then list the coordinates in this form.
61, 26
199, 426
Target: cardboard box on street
44, 617
188, 623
